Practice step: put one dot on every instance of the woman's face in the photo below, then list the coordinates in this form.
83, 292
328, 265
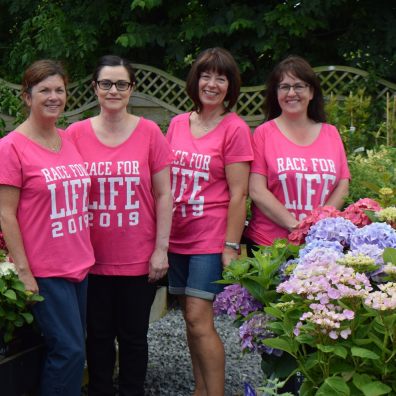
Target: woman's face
47, 99
294, 95
213, 88
113, 98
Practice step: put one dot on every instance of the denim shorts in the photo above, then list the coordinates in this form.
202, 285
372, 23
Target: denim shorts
193, 275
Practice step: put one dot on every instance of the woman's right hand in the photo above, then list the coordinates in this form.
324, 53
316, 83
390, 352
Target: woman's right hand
26, 277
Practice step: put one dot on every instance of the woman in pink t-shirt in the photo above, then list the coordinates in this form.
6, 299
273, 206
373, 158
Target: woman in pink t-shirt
212, 150
130, 212
299, 160
44, 191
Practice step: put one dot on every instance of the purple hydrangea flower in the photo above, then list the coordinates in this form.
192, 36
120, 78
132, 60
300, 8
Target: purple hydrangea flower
319, 243
332, 229
235, 300
253, 331
320, 256
380, 234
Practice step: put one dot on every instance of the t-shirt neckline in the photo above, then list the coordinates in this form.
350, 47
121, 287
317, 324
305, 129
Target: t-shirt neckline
133, 133
293, 143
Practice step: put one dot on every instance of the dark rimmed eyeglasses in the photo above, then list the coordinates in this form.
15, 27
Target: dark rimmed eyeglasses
121, 85
298, 88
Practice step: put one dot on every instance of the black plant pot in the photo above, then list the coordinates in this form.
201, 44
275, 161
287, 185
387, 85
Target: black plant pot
20, 363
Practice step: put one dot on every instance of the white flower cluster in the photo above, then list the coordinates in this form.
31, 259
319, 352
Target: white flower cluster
7, 268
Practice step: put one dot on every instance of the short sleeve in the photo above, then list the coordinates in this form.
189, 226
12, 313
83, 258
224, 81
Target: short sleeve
238, 142
259, 164
160, 151
10, 163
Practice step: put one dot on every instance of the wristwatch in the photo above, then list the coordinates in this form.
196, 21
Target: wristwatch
233, 245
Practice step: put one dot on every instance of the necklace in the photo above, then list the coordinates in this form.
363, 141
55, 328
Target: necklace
51, 144
208, 126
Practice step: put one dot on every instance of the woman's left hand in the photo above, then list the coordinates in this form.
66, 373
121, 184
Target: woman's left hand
229, 255
158, 265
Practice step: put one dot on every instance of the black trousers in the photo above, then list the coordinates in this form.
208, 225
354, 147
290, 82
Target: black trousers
118, 307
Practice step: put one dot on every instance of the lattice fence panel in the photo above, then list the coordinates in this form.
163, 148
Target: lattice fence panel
163, 88
169, 92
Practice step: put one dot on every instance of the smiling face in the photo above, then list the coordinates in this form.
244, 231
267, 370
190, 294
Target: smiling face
212, 88
113, 99
47, 98
292, 102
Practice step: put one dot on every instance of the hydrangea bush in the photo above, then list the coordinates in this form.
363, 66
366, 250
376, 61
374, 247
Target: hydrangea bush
333, 303
15, 301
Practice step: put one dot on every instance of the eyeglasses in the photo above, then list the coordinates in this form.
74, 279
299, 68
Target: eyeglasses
297, 88
106, 85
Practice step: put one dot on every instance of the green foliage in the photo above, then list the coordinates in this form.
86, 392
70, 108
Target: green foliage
9, 105
259, 275
358, 120
75, 32
15, 302
372, 171
168, 34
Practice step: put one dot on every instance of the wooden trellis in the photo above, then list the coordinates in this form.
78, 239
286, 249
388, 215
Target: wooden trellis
158, 95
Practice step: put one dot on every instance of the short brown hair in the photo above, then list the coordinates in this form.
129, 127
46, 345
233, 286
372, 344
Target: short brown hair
39, 71
300, 68
218, 60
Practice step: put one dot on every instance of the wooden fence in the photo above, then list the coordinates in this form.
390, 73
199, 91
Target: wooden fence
159, 96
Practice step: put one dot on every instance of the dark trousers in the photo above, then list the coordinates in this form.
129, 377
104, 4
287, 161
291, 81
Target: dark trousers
118, 307
61, 317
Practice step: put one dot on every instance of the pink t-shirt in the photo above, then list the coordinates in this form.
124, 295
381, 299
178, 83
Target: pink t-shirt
122, 206
53, 206
301, 177
199, 185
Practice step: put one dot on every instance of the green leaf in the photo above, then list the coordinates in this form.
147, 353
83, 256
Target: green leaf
10, 294
336, 349
359, 380
279, 343
254, 288
27, 316
276, 313
333, 386
389, 255
375, 388
364, 353
18, 285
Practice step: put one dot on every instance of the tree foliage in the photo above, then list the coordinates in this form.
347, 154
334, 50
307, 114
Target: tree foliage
170, 33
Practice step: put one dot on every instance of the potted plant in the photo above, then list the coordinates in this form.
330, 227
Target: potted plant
21, 347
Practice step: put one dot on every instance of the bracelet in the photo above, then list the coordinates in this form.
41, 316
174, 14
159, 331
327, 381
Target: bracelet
233, 245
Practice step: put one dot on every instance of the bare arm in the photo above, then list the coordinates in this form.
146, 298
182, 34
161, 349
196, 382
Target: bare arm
163, 196
237, 175
269, 204
337, 197
9, 200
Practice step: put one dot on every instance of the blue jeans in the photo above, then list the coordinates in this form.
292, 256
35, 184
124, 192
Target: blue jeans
193, 275
61, 317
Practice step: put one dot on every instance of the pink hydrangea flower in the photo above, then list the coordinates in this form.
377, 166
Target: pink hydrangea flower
297, 237
355, 212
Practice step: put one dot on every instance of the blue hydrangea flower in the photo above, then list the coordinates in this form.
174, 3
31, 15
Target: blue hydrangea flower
372, 251
332, 229
380, 234
319, 243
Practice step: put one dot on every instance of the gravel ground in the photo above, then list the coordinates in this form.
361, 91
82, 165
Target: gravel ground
169, 369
